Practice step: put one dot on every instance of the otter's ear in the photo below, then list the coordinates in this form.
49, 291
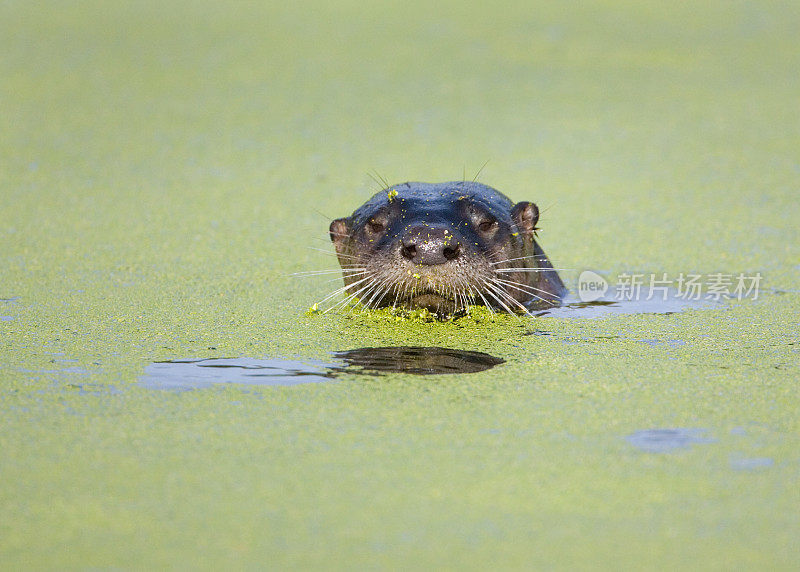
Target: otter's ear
340, 232
526, 215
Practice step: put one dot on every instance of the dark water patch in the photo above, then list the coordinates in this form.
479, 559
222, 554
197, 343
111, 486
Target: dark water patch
751, 463
572, 340
72, 378
8, 300
418, 360
202, 373
782, 291
655, 342
666, 440
74, 370
93, 389
572, 308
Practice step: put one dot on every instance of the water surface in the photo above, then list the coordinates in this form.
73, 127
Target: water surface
203, 373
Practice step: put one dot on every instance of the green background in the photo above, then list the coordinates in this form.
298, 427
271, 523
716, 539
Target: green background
164, 167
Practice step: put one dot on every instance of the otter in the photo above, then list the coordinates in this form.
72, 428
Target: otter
443, 247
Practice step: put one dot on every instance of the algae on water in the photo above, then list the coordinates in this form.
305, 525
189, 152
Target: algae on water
166, 167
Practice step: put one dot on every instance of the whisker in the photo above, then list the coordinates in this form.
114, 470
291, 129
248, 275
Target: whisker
323, 240
371, 292
519, 258
343, 289
326, 251
337, 278
312, 273
494, 293
504, 281
323, 250
525, 289
377, 294
332, 295
465, 297
334, 254
322, 214
462, 291
509, 298
482, 297
340, 304
501, 288
512, 270
350, 297
349, 271
475, 178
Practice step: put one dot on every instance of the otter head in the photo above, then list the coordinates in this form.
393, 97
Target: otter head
441, 247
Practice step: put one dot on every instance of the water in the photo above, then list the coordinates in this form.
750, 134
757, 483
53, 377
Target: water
203, 373
667, 440
183, 374
573, 308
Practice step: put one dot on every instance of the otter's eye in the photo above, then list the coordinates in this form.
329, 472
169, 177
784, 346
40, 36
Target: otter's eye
375, 226
487, 224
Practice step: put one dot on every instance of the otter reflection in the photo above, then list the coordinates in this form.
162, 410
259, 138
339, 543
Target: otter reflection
418, 360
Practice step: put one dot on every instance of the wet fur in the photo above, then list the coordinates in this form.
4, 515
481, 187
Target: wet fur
493, 258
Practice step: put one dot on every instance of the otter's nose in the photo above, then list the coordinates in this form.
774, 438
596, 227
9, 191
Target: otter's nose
430, 245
